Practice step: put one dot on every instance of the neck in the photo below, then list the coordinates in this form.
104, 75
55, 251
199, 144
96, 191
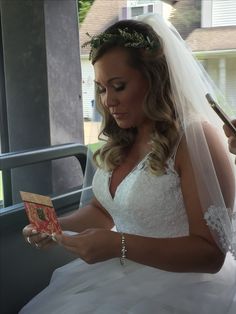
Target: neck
143, 134
142, 141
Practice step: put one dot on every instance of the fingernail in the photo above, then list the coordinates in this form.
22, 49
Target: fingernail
54, 237
34, 231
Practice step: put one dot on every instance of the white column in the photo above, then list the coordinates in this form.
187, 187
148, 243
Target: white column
206, 13
222, 75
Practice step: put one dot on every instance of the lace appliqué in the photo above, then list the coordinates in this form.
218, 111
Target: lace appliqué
217, 218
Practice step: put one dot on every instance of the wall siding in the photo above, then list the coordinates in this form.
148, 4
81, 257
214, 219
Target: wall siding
223, 12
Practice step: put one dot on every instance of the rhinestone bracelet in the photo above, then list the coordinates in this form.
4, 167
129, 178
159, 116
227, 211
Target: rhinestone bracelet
123, 249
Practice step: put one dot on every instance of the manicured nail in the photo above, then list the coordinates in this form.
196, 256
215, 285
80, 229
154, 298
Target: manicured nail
54, 237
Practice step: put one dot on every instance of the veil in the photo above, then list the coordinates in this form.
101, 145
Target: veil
190, 83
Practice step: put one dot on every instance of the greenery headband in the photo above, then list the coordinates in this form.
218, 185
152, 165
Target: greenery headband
123, 38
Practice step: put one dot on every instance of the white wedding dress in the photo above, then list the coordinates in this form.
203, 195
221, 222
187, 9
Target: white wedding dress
147, 205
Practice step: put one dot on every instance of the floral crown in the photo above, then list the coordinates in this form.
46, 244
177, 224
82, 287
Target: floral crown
123, 38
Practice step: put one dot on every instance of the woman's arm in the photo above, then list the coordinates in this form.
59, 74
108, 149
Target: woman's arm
91, 216
197, 252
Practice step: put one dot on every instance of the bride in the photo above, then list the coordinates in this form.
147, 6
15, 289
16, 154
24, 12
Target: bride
164, 180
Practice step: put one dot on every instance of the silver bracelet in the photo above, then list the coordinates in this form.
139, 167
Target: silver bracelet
123, 250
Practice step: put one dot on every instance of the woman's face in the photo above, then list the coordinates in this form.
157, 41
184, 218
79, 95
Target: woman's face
122, 88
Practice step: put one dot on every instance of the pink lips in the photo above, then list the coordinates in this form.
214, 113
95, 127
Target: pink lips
118, 115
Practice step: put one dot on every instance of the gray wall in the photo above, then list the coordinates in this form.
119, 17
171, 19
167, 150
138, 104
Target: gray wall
64, 85
43, 87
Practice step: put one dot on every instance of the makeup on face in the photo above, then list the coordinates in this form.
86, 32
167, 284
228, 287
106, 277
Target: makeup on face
121, 88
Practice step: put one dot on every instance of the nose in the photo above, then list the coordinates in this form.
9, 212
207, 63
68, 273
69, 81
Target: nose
110, 99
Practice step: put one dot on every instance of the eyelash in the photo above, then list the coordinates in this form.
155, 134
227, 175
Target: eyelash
117, 89
120, 87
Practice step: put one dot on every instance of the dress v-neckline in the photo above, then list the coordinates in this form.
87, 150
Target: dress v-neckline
139, 166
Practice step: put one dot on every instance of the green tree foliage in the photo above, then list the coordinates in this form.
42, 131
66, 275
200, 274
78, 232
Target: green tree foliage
83, 7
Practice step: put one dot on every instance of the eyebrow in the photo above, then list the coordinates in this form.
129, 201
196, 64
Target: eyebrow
110, 80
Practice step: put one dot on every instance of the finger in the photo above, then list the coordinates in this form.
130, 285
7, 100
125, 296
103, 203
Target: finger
234, 122
226, 130
38, 244
59, 238
232, 140
29, 236
35, 244
232, 144
68, 241
62, 238
44, 244
28, 230
46, 241
32, 239
36, 237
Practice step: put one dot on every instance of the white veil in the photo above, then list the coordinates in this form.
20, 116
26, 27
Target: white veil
190, 83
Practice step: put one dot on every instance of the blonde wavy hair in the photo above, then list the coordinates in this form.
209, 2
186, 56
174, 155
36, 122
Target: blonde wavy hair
158, 104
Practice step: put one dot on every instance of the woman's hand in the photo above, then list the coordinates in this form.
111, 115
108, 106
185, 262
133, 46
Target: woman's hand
231, 138
92, 245
37, 239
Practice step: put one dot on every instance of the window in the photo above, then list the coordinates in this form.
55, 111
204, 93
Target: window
135, 10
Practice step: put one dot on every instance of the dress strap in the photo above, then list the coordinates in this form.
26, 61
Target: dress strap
171, 160
173, 155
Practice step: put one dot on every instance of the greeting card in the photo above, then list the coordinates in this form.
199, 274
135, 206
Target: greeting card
41, 213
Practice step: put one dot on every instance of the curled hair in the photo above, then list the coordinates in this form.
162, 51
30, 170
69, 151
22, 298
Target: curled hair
158, 104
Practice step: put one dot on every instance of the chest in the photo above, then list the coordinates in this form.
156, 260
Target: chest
144, 203
125, 189
118, 175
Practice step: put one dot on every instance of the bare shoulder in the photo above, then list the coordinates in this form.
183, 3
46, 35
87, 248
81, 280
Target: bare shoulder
217, 145
216, 149
214, 140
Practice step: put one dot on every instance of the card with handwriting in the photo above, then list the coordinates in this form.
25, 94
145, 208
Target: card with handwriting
41, 213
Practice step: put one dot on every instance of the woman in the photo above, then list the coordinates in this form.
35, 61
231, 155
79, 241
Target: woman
164, 180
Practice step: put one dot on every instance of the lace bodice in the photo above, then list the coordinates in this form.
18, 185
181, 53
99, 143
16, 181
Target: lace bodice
144, 203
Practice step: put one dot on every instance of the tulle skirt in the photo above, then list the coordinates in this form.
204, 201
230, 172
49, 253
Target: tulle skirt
109, 288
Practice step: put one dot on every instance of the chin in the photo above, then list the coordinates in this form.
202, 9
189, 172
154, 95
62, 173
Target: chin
124, 125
